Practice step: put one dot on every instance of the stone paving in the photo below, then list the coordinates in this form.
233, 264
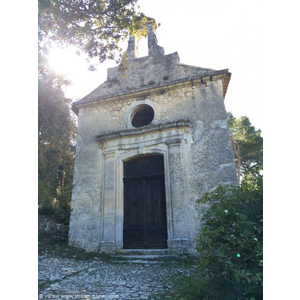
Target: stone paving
62, 278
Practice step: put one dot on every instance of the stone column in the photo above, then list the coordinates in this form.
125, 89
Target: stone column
108, 242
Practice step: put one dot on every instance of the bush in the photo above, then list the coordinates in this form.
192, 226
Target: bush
63, 205
231, 243
44, 199
230, 247
58, 206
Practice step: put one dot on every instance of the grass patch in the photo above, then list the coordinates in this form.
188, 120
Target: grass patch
189, 262
185, 288
52, 244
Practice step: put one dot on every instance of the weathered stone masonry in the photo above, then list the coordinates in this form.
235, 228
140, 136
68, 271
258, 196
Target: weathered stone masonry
189, 128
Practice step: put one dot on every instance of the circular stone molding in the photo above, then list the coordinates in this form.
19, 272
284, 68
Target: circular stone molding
141, 113
142, 116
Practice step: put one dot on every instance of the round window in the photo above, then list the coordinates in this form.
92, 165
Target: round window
142, 116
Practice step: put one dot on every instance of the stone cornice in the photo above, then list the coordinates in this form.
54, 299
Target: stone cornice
142, 130
145, 91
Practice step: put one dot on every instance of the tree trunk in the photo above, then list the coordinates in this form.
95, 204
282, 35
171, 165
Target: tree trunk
239, 158
63, 175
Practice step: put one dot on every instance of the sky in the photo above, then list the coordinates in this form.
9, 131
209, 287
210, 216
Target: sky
214, 34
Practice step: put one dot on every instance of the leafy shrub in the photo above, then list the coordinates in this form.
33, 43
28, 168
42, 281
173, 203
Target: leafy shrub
63, 205
231, 243
45, 200
58, 206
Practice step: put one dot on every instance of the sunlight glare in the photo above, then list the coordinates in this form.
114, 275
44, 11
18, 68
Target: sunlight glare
75, 68
65, 61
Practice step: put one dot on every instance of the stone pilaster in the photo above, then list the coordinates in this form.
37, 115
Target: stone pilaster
180, 211
108, 242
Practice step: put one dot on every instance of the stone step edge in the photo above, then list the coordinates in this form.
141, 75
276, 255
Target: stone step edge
145, 257
143, 251
140, 261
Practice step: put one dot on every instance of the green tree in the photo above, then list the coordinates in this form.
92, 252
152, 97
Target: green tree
247, 144
94, 26
56, 130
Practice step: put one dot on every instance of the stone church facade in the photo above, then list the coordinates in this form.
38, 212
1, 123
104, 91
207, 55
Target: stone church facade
151, 141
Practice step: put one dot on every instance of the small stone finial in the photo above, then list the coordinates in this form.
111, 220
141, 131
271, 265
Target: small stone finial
132, 48
153, 48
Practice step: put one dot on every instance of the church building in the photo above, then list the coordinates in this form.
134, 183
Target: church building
151, 141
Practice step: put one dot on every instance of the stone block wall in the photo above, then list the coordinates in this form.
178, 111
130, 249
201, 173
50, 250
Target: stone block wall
189, 129
198, 163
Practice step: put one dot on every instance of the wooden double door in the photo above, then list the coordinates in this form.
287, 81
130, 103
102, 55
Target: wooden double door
145, 222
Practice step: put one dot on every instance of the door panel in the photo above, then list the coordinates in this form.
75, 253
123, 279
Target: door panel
134, 215
145, 222
156, 222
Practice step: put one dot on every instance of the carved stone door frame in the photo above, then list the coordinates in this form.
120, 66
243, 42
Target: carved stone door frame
118, 148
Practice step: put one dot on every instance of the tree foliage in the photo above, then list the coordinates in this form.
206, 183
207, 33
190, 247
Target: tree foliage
231, 241
230, 246
247, 145
56, 130
94, 26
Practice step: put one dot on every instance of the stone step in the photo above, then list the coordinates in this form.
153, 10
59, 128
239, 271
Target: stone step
146, 257
143, 251
138, 261
143, 256
157, 256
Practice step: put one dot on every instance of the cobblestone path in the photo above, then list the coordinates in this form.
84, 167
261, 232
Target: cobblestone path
62, 278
